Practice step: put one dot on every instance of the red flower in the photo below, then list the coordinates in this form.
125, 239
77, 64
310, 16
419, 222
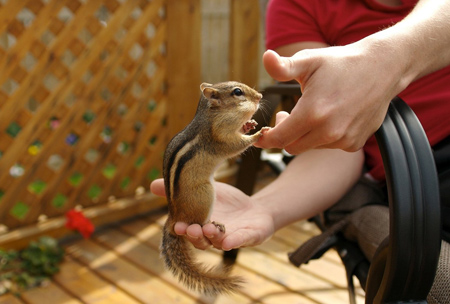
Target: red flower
77, 221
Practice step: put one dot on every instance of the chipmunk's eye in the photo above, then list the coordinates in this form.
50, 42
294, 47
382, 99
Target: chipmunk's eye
237, 92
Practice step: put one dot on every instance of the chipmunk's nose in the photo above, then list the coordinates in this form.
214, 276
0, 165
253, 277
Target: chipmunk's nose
259, 96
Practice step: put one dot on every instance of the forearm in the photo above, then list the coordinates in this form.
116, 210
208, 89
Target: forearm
420, 43
313, 181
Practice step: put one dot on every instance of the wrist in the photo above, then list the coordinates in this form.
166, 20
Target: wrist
270, 202
418, 45
394, 57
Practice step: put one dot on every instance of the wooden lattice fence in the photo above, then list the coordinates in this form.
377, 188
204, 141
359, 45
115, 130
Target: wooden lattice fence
83, 103
90, 93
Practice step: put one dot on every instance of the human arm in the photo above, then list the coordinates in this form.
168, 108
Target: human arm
310, 184
347, 89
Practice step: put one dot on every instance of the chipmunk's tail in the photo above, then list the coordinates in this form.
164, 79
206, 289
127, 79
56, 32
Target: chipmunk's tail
178, 258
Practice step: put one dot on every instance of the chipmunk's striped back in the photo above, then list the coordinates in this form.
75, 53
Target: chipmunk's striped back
183, 151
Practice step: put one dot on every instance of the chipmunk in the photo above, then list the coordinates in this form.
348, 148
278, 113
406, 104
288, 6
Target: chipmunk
217, 132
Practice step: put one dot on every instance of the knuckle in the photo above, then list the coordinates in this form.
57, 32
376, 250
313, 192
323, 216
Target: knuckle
319, 114
352, 146
316, 119
355, 140
334, 135
349, 143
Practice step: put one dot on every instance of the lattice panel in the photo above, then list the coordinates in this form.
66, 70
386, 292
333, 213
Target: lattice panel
82, 103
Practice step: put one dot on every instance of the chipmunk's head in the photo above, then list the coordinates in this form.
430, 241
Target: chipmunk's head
231, 102
227, 94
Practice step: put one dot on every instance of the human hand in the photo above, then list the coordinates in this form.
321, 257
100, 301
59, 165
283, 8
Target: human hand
345, 95
247, 223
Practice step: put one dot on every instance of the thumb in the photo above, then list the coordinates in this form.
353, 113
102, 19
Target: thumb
282, 68
157, 187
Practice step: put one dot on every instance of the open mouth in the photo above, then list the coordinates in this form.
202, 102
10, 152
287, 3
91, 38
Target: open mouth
251, 123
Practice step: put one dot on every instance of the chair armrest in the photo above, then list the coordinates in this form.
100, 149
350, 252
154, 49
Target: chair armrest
404, 267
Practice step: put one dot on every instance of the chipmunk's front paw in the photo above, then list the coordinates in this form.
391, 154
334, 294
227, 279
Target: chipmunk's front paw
263, 131
219, 226
249, 125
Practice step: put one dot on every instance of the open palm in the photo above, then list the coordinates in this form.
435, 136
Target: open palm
247, 223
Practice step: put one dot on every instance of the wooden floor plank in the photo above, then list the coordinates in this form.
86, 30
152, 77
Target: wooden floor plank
9, 299
139, 284
49, 293
288, 276
290, 235
328, 268
80, 281
306, 227
141, 255
255, 287
122, 265
294, 237
148, 258
323, 269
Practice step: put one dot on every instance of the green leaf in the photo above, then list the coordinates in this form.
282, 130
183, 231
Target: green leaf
31, 266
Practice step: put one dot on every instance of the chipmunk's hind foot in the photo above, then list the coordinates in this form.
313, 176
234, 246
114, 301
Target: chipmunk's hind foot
219, 226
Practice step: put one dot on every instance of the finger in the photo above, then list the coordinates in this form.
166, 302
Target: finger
283, 68
239, 239
322, 139
157, 187
194, 234
232, 242
304, 143
214, 235
348, 143
280, 117
317, 138
180, 228
289, 129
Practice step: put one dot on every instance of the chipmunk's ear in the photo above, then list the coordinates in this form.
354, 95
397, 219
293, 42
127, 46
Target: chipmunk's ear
210, 93
205, 85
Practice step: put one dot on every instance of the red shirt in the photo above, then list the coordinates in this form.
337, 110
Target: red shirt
340, 22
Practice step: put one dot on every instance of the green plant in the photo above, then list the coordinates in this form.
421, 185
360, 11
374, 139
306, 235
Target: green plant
20, 270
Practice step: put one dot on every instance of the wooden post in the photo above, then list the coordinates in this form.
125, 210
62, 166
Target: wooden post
183, 61
244, 64
244, 41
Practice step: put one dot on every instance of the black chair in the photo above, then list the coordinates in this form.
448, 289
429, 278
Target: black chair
404, 266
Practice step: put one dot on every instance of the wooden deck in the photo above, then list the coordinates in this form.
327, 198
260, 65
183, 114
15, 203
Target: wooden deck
121, 264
